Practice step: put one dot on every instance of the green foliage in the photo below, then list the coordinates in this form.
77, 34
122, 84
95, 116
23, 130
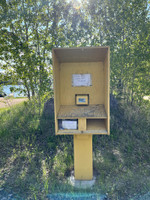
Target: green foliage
30, 149
62, 161
30, 29
1, 89
33, 159
122, 159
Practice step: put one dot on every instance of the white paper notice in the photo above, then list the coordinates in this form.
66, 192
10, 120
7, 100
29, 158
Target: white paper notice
67, 124
81, 80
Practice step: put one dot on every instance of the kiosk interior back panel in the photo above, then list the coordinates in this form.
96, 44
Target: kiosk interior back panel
81, 90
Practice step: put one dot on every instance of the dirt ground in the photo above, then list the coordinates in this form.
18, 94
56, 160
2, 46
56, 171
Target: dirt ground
8, 102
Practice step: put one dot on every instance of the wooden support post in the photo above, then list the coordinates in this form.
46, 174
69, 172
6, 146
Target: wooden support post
83, 161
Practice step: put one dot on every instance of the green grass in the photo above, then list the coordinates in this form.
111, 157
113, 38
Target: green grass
35, 162
3, 109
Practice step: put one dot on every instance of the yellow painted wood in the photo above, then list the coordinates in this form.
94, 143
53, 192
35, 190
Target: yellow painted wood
83, 162
78, 132
67, 92
94, 61
107, 89
73, 112
83, 54
82, 124
87, 127
93, 118
56, 82
96, 124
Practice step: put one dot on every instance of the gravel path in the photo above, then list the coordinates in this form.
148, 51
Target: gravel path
8, 102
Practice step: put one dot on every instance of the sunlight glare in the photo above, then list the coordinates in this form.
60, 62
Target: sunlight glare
76, 3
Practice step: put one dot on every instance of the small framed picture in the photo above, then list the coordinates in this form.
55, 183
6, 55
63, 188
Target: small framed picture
82, 99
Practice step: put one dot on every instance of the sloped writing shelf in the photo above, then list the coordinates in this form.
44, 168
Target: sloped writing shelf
90, 111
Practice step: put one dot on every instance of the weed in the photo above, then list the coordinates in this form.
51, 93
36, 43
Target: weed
35, 162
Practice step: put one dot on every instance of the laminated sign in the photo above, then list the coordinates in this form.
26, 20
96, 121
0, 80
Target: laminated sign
81, 80
69, 124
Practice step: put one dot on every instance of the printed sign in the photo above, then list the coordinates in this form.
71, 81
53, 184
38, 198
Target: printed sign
68, 124
79, 80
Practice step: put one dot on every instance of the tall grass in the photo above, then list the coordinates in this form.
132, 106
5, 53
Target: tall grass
35, 162
30, 152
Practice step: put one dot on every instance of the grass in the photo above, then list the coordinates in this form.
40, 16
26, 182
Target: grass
10, 101
34, 162
3, 109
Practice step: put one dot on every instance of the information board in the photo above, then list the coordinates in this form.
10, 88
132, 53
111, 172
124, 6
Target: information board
79, 80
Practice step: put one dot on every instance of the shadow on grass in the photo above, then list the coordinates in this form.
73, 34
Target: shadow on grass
121, 160
34, 162
32, 157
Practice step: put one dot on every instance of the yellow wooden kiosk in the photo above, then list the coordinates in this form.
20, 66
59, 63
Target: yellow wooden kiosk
81, 100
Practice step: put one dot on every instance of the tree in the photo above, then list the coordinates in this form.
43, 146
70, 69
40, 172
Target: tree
30, 29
